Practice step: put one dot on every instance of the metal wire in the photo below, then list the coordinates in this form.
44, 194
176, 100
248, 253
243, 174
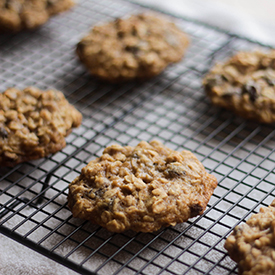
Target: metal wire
171, 108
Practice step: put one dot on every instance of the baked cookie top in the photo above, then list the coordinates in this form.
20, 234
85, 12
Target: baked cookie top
252, 245
245, 84
140, 46
141, 188
33, 124
16, 15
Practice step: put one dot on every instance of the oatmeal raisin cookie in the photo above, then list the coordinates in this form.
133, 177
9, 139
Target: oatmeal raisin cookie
16, 15
245, 84
33, 124
252, 245
141, 188
140, 46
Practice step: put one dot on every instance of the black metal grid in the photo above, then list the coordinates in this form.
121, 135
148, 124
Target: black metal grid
171, 108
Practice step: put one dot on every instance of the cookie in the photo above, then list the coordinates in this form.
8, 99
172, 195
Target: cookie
245, 84
252, 245
141, 188
16, 15
33, 124
140, 46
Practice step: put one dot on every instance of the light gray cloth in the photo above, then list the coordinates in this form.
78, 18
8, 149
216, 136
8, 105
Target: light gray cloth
16, 259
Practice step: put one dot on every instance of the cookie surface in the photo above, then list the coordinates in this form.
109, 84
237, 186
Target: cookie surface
245, 84
140, 46
33, 124
141, 188
16, 15
252, 245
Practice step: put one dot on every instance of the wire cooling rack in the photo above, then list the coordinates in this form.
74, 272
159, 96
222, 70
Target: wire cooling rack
171, 108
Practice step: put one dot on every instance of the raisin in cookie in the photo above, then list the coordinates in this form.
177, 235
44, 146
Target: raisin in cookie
16, 15
252, 245
141, 188
245, 84
33, 124
140, 46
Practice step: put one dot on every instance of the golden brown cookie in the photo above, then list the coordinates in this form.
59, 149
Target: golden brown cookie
140, 46
252, 245
16, 15
141, 188
33, 124
245, 84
